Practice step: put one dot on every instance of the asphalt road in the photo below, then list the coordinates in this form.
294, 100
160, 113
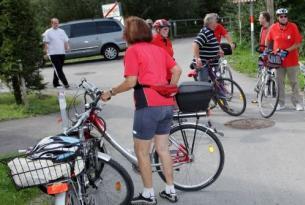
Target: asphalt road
262, 166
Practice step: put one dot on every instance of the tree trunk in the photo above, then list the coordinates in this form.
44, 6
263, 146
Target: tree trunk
16, 89
270, 9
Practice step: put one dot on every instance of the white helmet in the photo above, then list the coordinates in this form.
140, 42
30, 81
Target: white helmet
56, 148
281, 11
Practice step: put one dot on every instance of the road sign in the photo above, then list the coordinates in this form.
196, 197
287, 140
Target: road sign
111, 10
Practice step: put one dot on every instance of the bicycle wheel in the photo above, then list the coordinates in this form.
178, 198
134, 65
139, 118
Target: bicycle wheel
72, 194
268, 97
113, 185
230, 97
198, 157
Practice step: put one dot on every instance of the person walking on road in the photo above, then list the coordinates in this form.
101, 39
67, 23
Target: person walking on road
286, 40
206, 46
55, 46
146, 67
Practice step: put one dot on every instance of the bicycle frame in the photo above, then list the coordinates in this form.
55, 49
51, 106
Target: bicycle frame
98, 123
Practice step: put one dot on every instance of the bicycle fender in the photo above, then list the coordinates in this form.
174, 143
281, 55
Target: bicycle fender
103, 156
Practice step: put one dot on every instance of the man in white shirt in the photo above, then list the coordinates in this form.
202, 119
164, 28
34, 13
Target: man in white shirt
55, 46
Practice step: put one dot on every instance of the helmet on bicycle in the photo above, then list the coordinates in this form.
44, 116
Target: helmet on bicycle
56, 148
281, 11
161, 23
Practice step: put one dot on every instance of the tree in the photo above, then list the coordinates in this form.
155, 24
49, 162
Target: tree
20, 44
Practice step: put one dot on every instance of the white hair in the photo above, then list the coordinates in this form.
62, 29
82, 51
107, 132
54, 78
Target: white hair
210, 17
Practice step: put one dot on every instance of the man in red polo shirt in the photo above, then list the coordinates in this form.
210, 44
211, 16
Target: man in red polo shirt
286, 39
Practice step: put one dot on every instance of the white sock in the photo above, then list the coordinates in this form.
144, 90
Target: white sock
148, 192
170, 189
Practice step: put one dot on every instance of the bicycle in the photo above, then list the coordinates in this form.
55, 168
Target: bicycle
266, 87
227, 93
73, 167
185, 141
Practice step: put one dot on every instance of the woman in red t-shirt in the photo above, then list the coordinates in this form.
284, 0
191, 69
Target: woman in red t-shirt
161, 39
147, 64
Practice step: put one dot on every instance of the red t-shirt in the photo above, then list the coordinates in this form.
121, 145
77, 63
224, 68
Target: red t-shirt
283, 38
165, 43
150, 64
219, 32
263, 35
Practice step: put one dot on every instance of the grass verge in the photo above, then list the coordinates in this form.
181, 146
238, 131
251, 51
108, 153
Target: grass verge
38, 105
242, 61
8, 192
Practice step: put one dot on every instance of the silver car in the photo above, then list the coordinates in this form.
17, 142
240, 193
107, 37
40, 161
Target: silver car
93, 37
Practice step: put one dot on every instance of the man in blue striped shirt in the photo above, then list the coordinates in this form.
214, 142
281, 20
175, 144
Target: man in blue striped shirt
206, 46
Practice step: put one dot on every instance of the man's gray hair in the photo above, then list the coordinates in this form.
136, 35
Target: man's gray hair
210, 17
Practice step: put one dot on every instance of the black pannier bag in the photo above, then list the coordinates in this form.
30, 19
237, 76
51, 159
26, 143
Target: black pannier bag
194, 96
226, 48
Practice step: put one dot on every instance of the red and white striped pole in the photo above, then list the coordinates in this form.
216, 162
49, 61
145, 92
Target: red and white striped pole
252, 27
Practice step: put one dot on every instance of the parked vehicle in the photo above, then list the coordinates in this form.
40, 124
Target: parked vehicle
94, 37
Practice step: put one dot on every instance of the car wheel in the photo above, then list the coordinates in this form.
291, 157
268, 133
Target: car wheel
110, 52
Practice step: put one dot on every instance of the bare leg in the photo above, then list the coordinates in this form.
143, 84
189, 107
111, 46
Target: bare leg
161, 142
142, 148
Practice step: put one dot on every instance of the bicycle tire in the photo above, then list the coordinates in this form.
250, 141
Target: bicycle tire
214, 147
71, 194
228, 98
263, 96
113, 181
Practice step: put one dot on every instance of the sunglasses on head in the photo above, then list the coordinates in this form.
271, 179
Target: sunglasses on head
283, 16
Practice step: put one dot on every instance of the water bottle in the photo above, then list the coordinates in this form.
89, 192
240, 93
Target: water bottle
63, 106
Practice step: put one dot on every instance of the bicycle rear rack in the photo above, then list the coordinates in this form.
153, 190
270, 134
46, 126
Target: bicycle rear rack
190, 115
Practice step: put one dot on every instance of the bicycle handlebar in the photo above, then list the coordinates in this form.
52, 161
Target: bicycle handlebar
89, 87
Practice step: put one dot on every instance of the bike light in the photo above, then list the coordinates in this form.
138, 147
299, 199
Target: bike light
57, 188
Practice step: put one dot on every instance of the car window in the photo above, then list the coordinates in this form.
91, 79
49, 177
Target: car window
83, 29
107, 26
67, 29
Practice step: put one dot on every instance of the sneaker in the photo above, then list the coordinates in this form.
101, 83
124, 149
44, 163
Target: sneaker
56, 86
170, 197
67, 86
140, 200
299, 107
280, 107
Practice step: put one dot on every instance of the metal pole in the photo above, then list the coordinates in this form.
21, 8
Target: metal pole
239, 22
252, 27
62, 106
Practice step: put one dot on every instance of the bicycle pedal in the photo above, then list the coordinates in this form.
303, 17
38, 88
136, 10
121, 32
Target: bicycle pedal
136, 169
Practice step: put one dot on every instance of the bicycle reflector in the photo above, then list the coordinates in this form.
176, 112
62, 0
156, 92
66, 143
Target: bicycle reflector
118, 186
57, 188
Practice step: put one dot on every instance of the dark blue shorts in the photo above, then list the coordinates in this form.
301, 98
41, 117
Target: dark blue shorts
151, 121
